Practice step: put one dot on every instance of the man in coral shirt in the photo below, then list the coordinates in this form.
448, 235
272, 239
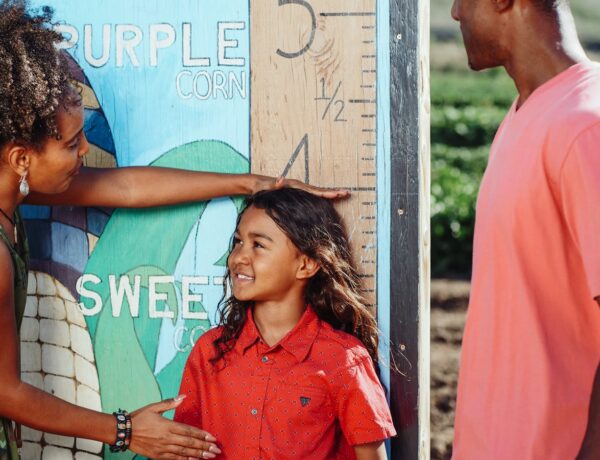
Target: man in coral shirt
529, 386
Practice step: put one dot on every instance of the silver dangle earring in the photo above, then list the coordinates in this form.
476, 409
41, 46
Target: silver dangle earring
24, 185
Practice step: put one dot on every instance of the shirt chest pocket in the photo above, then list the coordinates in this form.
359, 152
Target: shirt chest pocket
303, 411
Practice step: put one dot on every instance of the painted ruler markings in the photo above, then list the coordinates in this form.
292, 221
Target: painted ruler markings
313, 71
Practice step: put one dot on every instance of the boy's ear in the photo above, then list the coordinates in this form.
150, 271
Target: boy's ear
308, 268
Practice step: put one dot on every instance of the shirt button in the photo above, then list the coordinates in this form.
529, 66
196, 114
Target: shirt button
254, 411
264, 359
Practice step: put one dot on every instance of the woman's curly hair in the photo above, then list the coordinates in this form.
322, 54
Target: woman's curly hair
34, 75
316, 229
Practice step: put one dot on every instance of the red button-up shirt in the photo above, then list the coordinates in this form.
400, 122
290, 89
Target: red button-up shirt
313, 395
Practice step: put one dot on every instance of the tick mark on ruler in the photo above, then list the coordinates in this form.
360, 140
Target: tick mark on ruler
352, 13
369, 144
368, 115
359, 189
362, 101
367, 86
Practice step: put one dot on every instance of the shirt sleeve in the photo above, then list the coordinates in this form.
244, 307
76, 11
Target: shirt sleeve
580, 196
363, 410
188, 411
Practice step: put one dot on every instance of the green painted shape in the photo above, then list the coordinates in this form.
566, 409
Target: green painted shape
167, 381
238, 201
122, 367
147, 329
119, 249
222, 262
145, 238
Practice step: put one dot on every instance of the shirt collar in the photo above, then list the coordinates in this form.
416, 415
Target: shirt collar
297, 342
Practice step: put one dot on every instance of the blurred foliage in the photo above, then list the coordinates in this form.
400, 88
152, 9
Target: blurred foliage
467, 109
468, 126
455, 173
490, 88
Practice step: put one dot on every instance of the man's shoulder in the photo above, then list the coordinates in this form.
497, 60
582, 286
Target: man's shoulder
573, 110
580, 106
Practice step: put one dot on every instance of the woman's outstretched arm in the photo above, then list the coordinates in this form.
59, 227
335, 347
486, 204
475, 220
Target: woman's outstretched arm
138, 187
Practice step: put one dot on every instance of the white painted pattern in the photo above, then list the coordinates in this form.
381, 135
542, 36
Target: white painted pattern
57, 356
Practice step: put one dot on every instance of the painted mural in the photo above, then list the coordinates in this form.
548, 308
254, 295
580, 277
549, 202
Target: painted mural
145, 282
117, 298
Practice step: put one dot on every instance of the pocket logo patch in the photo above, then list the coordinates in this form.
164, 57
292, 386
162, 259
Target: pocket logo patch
304, 401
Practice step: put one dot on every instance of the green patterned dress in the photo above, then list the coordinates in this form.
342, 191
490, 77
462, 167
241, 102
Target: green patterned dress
20, 259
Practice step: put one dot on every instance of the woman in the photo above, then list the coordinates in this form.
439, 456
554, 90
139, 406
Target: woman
42, 145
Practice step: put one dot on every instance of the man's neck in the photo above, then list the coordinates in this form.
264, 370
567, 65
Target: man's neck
542, 50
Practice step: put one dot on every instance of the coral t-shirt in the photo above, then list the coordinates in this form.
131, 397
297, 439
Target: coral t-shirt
313, 395
532, 338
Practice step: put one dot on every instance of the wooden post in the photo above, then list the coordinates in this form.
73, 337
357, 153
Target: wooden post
409, 45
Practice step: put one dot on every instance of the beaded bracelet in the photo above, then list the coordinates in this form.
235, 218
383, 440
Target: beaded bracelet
123, 431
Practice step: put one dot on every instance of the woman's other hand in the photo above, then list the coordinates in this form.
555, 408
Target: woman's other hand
154, 436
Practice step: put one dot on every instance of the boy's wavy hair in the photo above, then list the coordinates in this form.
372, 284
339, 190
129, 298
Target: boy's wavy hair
34, 76
317, 230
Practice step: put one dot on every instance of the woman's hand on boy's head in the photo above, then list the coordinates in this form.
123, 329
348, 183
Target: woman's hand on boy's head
271, 183
154, 436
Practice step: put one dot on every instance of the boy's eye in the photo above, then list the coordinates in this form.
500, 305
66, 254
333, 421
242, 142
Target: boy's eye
258, 245
236, 241
75, 144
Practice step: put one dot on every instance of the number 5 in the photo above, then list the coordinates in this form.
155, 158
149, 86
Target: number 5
313, 18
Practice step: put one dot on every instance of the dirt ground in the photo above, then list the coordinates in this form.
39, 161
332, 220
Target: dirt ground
449, 300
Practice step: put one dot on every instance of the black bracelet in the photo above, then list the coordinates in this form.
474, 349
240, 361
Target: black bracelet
123, 431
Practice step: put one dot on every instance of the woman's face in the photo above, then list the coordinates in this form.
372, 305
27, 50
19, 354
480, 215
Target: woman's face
52, 170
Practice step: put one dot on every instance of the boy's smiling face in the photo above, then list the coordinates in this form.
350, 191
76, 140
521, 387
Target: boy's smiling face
264, 264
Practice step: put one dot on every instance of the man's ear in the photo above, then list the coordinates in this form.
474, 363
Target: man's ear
308, 268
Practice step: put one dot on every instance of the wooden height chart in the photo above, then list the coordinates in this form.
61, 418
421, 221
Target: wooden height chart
339, 97
314, 71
